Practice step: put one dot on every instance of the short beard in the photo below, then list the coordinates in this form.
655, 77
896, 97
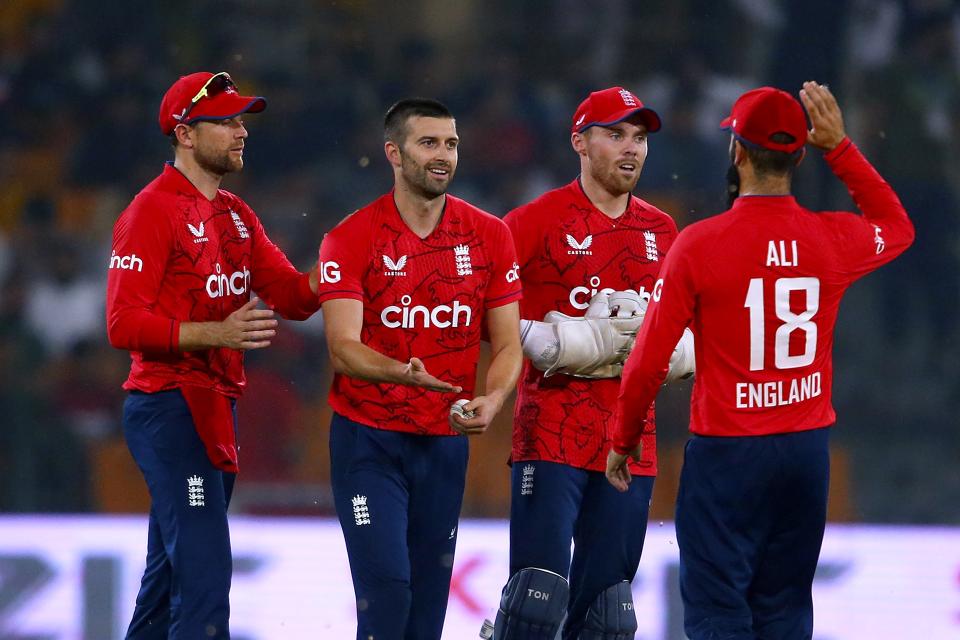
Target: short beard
611, 182
733, 184
219, 165
416, 177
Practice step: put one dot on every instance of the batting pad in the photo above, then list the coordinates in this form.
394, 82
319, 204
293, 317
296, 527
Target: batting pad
532, 606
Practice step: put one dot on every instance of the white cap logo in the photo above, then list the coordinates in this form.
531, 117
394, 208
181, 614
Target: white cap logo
628, 99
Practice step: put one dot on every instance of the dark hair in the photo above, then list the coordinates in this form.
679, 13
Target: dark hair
766, 162
395, 122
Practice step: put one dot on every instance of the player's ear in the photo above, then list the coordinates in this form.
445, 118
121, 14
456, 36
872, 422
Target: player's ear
739, 153
184, 134
801, 155
579, 143
392, 151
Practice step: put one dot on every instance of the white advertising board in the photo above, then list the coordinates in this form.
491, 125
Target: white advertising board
75, 578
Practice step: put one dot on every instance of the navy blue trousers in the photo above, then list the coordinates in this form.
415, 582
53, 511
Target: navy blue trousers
553, 504
398, 498
184, 593
750, 518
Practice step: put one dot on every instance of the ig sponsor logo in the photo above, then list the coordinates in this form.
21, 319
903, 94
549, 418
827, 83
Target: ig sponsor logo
419, 316
329, 272
221, 284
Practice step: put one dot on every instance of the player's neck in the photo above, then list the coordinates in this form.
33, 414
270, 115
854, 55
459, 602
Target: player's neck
612, 205
206, 183
753, 185
421, 214
768, 187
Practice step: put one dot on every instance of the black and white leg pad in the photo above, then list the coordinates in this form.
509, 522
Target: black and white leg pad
611, 616
532, 606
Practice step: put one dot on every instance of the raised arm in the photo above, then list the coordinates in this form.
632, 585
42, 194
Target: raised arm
885, 230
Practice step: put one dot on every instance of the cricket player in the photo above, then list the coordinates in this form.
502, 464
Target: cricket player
186, 258
408, 283
589, 255
760, 285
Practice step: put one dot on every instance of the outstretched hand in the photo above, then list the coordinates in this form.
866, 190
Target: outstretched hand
415, 374
826, 119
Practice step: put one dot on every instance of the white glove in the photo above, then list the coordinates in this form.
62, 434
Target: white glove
683, 361
592, 346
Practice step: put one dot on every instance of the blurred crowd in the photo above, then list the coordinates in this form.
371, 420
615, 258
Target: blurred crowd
80, 85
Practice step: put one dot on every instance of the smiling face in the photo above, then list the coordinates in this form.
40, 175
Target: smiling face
613, 156
427, 159
218, 145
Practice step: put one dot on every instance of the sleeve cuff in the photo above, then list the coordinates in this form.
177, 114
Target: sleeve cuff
513, 296
338, 294
309, 301
174, 336
839, 150
621, 449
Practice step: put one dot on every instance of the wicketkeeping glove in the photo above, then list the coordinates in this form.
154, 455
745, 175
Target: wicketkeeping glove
592, 346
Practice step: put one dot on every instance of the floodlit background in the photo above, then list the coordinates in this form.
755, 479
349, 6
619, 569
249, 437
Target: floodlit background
80, 86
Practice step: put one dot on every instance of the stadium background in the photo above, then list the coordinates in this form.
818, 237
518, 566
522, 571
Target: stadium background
80, 84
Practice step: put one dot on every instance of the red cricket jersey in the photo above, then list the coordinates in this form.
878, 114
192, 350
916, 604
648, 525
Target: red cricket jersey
760, 286
178, 257
568, 251
423, 298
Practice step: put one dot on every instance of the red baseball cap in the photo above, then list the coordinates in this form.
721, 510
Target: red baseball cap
204, 96
610, 106
760, 113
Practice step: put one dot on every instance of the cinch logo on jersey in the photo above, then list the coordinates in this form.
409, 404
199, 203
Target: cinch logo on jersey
514, 274
221, 284
238, 223
129, 262
579, 248
392, 268
198, 235
419, 316
580, 296
329, 272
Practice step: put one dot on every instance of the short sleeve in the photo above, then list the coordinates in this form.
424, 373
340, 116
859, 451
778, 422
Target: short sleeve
341, 263
505, 284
